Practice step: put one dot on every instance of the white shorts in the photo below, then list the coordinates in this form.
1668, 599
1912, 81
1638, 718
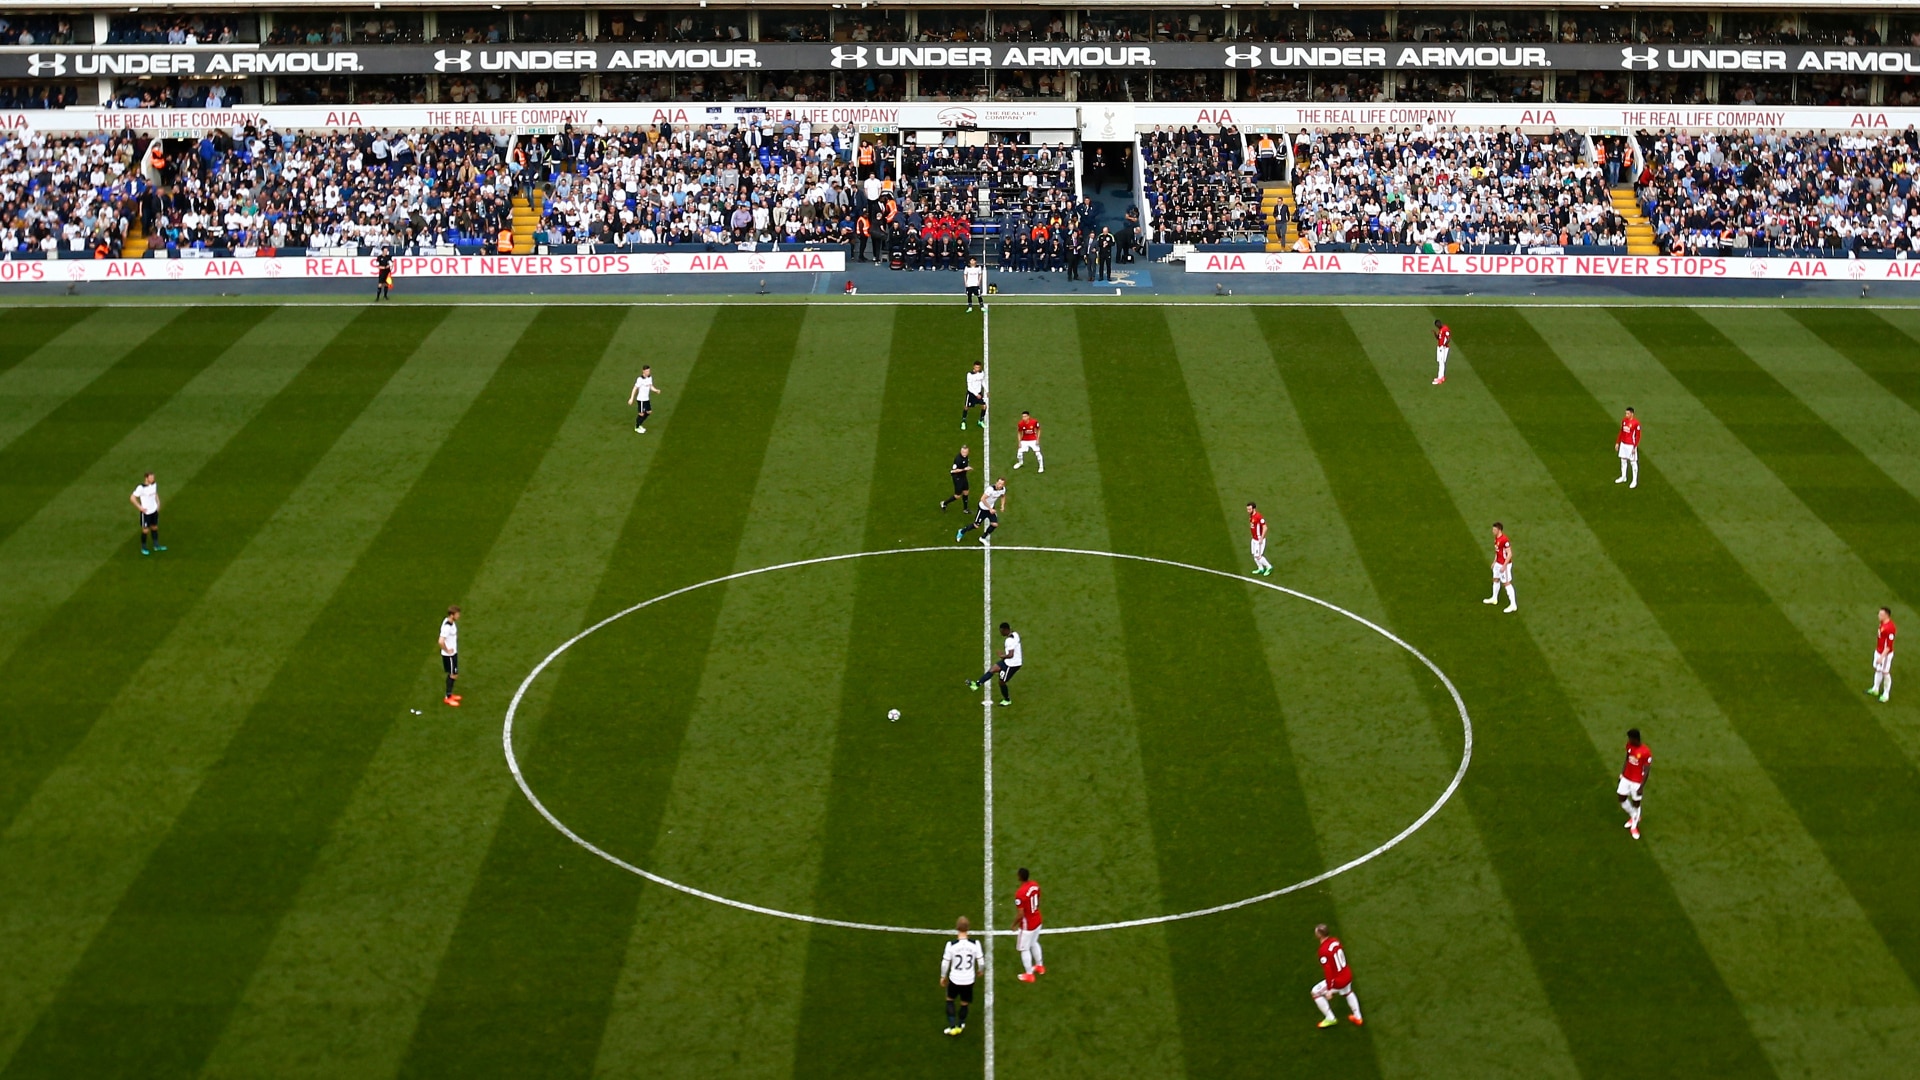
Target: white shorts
1629, 452
1029, 444
1440, 354
1259, 548
1024, 938
1883, 662
1628, 789
1503, 573
1321, 989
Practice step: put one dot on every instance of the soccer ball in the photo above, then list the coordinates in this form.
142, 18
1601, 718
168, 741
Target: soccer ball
893, 714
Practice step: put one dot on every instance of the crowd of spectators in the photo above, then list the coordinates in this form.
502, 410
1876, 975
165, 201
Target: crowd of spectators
34, 29
1201, 186
1399, 189
1767, 193
66, 194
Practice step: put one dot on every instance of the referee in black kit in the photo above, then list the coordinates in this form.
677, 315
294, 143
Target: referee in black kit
962, 465
383, 265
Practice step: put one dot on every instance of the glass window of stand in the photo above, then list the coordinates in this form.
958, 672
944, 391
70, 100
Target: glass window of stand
1840, 28
1020, 24
1445, 24
635, 88
364, 27
392, 90
1028, 84
1115, 24
796, 86
953, 25
1436, 86
1509, 86
1189, 86
46, 28
1341, 88
183, 27
953, 86
1273, 24
1189, 24
162, 93
313, 90
1669, 88
1591, 87
712, 86
868, 24
1595, 27
680, 25
1341, 25
869, 86
1674, 27
39, 94
1113, 86
794, 24
1848, 90
473, 28
550, 27
1750, 89
1759, 28
1502, 26
1274, 86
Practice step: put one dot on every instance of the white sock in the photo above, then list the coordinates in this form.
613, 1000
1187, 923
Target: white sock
1510, 600
1876, 683
1443, 369
1260, 563
1026, 960
1038, 959
1636, 473
1633, 815
1623, 468
1886, 683
1040, 458
1495, 598
1326, 1010
1627, 806
1353, 1005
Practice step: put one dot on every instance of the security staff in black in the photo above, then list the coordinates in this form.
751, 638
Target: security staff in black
1107, 244
383, 266
962, 468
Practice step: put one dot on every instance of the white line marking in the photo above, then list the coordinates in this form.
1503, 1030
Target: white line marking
986, 696
513, 762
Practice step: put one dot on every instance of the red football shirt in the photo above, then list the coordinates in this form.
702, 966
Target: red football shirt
1443, 335
1257, 524
1885, 642
1638, 758
1629, 432
1029, 430
1027, 900
1502, 549
1333, 964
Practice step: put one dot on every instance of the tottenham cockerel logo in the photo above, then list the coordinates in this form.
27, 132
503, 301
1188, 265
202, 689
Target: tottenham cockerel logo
846, 57
1243, 56
1639, 59
443, 60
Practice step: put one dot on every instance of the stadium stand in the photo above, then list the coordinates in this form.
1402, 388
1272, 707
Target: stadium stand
1201, 186
1471, 189
1764, 193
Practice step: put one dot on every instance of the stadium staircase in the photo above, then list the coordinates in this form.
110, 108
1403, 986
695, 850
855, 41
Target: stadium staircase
526, 220
1626, 203
135, 245
1271, 193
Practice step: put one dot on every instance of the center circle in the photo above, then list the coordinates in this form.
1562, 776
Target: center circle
526, 789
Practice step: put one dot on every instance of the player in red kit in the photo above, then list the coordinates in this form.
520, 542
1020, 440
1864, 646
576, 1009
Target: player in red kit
1442, 341
1627, 444
1336, 978
1633, 779
1029, 440
1883, 657
1502, 568
1026, 924
1257, 525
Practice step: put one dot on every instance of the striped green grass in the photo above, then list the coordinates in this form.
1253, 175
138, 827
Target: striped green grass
230, 848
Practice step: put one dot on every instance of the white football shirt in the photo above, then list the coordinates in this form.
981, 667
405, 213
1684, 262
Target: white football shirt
643, 386
450, 631
977, 383
1012, 645
149, 496
975, 276
990, 498
961, 962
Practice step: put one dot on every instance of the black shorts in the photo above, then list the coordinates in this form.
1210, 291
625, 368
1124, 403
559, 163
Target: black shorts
150, 521
957, 992
1008, 671
386, 278
450, 664
974, 399
645, 408
984, 516
973, 292
959, 483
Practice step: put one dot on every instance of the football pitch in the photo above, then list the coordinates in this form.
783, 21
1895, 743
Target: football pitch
242, 836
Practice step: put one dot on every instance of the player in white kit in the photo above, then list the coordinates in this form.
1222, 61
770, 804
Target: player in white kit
642, 399
960, 965
976, 395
